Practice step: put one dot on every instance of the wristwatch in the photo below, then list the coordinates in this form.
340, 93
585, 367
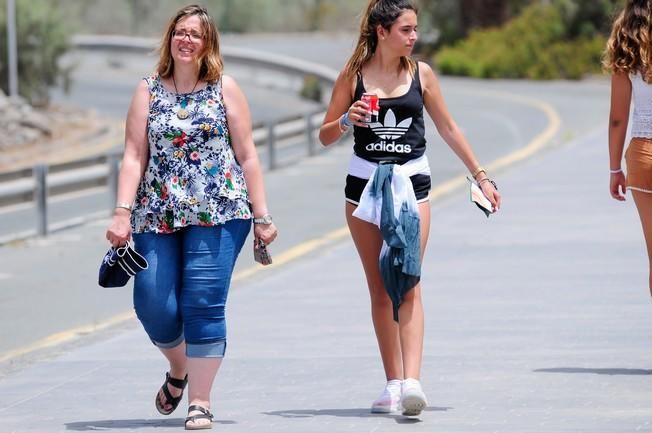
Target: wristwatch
265, 219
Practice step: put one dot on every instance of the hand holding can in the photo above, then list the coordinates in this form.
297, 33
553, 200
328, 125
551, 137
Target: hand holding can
359, 113
372, 101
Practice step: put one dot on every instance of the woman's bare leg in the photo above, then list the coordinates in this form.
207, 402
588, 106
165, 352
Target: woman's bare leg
176, 356
368, 241
643, 202
201, 374
410, 314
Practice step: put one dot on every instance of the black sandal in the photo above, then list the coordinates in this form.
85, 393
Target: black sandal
205, 414
169, 399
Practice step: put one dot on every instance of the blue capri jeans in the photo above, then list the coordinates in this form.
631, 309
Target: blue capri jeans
182, 295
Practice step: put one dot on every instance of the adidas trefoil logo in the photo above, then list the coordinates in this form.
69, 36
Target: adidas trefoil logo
390, 131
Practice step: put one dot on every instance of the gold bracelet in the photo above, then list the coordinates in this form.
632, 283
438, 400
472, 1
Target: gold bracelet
478, 171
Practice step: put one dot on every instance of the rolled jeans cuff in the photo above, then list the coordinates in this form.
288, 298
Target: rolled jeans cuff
169, 345
209, 350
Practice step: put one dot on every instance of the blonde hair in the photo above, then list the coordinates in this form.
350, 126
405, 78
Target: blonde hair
628, 48
383, 13
210, 62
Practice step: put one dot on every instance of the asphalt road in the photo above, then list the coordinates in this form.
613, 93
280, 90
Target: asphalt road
495, 124
537, 321
39, 297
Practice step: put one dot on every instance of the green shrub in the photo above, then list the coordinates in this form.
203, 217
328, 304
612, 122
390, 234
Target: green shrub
534, 45
43, 35
311, 88
571, 60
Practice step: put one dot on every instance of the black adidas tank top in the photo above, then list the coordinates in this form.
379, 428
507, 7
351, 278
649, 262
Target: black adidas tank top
398, 134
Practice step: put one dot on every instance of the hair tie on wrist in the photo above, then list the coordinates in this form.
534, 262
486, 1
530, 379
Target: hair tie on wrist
620, 170
486, 179
345, 119
342, 124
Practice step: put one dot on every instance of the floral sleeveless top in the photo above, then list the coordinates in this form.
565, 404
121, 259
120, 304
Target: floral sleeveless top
192, 177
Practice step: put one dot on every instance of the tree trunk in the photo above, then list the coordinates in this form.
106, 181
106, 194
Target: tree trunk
482, 13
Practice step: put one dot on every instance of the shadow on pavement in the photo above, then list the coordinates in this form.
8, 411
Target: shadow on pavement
608, 371
131, 424
357, 413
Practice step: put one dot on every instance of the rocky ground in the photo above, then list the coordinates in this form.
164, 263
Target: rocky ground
50, 134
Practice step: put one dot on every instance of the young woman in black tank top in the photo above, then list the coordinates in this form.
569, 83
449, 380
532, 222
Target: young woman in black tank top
397, 136
381, 64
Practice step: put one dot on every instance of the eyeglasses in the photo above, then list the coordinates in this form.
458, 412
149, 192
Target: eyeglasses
182, 34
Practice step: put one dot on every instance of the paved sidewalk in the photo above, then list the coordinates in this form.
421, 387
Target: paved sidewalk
537, 320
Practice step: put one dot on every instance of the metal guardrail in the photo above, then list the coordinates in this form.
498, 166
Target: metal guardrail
42, 181
243, 56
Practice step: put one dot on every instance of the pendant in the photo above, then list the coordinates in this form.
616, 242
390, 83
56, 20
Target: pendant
182, 114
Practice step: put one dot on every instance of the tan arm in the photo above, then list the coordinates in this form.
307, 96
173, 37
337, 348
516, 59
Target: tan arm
621, 95
134, 162
434, 102
238, 117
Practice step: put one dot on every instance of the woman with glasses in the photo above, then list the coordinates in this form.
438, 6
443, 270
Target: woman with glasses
190, 186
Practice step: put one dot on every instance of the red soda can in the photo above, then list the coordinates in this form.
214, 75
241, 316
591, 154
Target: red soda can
374, 106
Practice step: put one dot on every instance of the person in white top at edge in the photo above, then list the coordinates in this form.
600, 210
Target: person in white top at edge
629, 58
381, 64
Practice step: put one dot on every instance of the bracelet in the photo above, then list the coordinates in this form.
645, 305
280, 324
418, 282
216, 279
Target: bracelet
343, 129
478, 171
345, 119
488, 180
123, 206
344, 123
620, 170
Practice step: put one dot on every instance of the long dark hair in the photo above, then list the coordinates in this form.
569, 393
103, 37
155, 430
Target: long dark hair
383, 13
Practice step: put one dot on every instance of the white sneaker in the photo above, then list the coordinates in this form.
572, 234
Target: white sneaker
389, 399
413, 399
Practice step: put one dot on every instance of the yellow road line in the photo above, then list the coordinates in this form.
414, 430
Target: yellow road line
65, 336
537, 144
294, 253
